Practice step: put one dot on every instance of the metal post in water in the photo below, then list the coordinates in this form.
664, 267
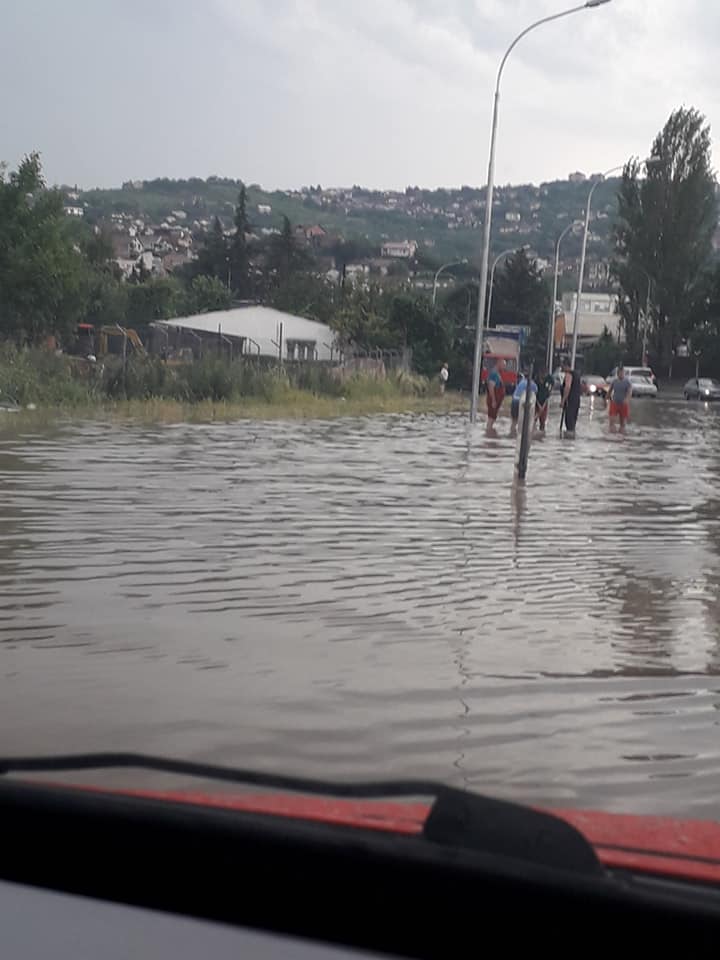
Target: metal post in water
525, 429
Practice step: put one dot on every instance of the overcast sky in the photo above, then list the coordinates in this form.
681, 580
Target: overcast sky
384, 93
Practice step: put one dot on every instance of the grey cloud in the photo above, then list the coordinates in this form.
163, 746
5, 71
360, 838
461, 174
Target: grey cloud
385, 92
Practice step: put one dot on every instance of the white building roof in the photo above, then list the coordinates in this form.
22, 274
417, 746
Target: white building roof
261, 325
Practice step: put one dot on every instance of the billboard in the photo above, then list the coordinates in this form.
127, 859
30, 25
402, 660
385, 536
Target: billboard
522, 330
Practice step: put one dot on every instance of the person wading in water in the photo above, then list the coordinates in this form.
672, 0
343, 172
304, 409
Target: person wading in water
545, 385
620, 392
495, 392
571, 398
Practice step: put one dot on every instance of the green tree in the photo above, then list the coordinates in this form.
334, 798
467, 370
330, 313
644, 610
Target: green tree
705, 339
285, 255
214, 255
350, 250
238, 252
159, 298
207, 294
521, 297
306, 295
414, 324
664, 230
41, 268
459, 308
361, 321
105, 297
603, 355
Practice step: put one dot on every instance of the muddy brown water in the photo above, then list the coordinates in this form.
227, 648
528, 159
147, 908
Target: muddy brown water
372, 597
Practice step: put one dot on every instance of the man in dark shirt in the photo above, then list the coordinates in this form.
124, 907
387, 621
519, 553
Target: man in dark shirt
545, 385
571, 398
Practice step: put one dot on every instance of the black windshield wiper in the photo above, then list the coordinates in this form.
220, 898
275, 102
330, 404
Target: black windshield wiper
457, 818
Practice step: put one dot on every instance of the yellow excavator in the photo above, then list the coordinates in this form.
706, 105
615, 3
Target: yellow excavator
106, 333
94, 341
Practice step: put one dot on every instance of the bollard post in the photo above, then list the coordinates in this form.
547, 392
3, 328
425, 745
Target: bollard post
528, 411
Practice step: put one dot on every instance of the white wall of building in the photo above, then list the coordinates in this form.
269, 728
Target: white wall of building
261, 326
597, 311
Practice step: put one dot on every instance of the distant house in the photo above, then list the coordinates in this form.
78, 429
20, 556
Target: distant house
354, 270
400, 250
264, 209
577, 177
512, 216
72, 210
128, 264
380, 265
171, 261
315, 234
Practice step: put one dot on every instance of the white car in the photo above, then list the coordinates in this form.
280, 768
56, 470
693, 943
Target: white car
641, 378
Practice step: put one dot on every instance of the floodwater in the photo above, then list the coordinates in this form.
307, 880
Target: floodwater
373, 597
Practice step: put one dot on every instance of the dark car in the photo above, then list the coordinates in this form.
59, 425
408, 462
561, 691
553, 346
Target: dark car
702, 388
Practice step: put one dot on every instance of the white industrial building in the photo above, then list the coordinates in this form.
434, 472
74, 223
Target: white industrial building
260, 331
597, 311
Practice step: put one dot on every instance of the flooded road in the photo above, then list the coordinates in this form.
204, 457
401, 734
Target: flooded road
368, 597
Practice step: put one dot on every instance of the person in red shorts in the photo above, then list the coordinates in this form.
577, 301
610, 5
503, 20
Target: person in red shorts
495, 392
619, 392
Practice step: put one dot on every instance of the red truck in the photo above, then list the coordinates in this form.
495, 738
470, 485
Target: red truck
505, 345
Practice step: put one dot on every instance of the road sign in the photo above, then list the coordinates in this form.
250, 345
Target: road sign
522, 330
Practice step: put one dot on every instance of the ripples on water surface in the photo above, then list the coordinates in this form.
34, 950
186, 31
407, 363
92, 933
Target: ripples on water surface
372, 596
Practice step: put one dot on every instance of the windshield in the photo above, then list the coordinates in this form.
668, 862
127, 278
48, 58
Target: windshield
708, 383
257, 503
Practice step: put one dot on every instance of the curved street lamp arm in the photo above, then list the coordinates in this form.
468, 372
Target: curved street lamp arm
527, 30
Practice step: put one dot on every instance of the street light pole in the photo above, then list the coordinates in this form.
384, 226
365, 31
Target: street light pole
551, 321
445, 266
489, 198
651, 161
582, 260
498, 258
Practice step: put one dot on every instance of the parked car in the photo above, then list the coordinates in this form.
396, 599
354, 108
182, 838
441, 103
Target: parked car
641, 378
594, 386
702, 388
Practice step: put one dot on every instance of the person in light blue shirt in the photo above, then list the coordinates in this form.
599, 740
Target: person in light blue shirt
518, 395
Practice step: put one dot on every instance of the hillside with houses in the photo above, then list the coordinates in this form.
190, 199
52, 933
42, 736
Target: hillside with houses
163, 222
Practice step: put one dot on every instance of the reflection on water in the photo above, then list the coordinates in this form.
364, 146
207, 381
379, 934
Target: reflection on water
374, 596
